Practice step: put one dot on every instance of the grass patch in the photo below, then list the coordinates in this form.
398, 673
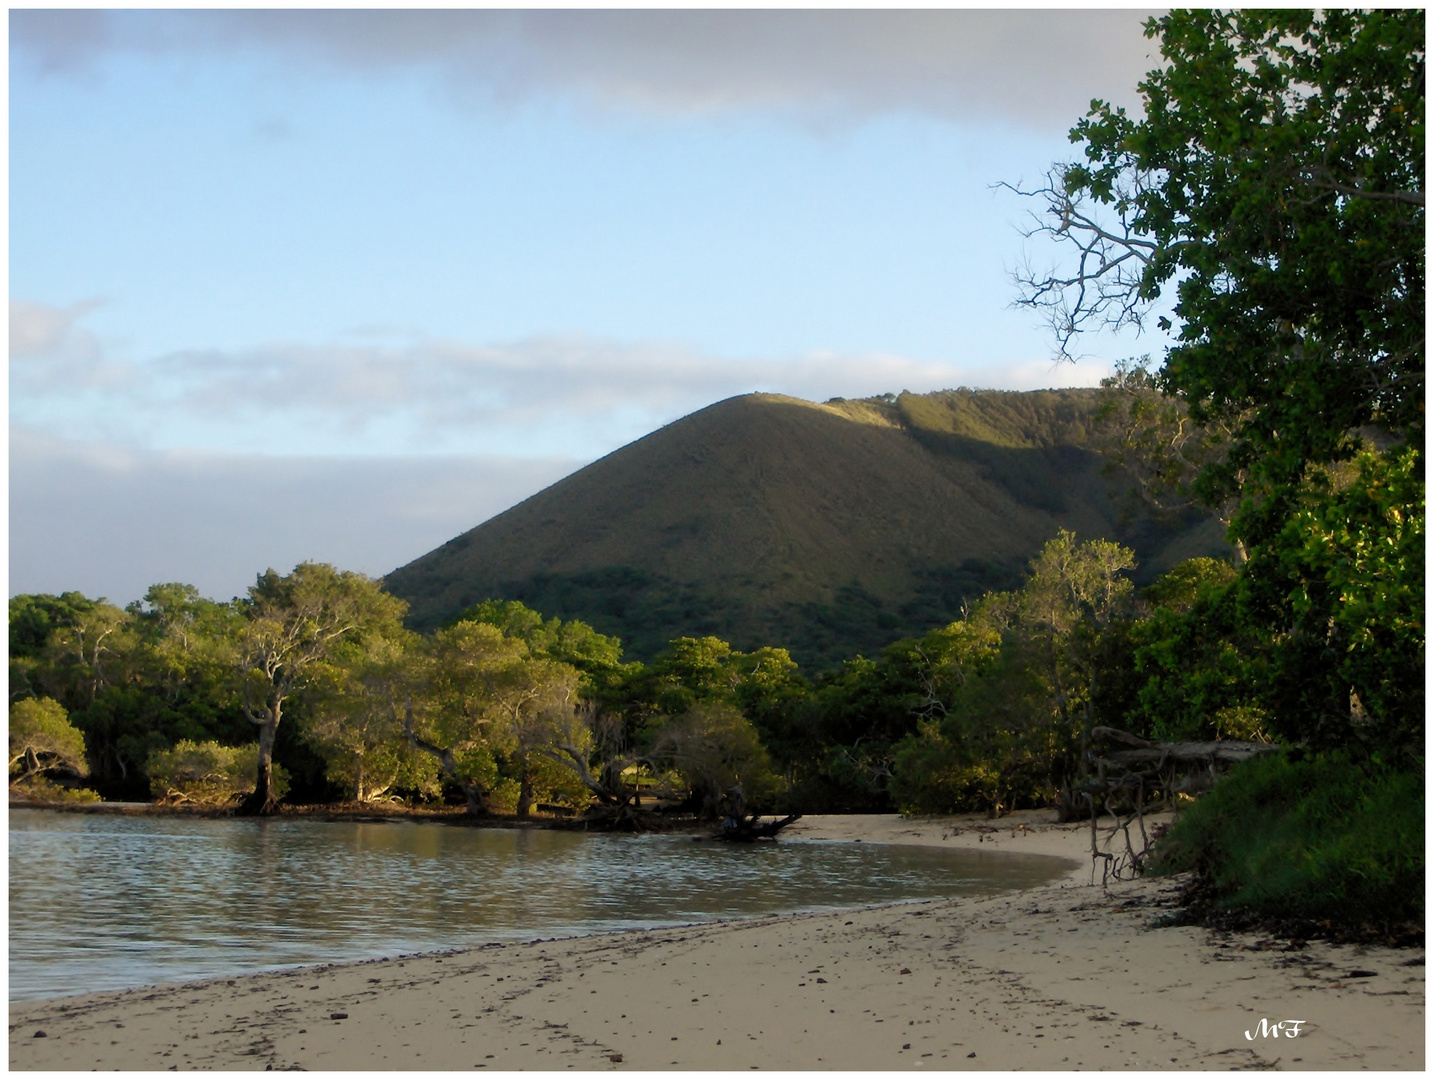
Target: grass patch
1317, 838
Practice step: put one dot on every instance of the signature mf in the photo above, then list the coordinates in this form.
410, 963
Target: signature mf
1288, 1028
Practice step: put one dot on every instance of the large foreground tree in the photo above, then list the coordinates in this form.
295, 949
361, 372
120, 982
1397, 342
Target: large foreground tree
1274, 191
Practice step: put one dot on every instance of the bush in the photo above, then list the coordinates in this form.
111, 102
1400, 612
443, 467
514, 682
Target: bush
43, 740
41, 789
1316, 838
207, 773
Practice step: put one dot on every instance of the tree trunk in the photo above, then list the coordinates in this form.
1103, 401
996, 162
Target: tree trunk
262, 802
474, 803
525, 795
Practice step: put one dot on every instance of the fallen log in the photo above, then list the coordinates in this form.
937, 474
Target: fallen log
1124, 778
1143, 750
1195, 753
749, 829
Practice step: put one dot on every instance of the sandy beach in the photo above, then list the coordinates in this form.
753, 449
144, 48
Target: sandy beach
1069, 976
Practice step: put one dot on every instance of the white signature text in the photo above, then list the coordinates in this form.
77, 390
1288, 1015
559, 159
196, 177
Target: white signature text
1288, 1028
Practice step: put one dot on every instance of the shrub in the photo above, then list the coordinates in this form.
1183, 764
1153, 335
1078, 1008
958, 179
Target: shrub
1316, 838
43, 740
41, 789
207, 773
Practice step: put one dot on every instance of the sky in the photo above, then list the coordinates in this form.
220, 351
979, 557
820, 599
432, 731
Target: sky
341, 285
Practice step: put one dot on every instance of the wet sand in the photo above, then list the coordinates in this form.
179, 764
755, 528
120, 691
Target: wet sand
1063, 977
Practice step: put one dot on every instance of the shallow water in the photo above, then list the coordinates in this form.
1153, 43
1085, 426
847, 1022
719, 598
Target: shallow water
99, 902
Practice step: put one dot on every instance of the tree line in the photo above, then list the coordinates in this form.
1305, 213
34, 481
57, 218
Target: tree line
312, 683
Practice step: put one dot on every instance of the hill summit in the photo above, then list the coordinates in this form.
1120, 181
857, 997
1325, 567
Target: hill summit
830, 529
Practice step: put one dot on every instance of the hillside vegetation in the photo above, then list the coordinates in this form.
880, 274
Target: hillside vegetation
833, 528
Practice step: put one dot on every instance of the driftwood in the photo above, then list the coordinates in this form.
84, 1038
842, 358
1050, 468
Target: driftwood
1144, 751
623, 815
1124, 781
741, 827
748, 828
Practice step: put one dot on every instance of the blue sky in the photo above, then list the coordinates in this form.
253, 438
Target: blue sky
341, 285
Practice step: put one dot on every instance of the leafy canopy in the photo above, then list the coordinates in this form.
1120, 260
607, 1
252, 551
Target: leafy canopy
42, 738
1274, 189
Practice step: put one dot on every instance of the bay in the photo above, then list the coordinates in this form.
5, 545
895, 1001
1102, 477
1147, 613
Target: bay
102, 902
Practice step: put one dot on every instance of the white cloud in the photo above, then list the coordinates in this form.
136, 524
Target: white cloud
1007, 65
110, 521
575, 396
44, 331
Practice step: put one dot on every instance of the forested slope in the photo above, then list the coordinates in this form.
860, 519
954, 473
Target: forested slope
831, 528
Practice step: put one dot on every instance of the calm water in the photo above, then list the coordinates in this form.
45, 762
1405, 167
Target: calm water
100, 902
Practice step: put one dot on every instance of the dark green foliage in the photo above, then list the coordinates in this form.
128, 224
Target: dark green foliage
641, 608
1342, 588
1272, 186
1315, 838
997, 748
1197, 659
1275, 180
34, 616
125, 724
1193, 666
134, 681
834, 741
305, 770
1320, 637
1184, 585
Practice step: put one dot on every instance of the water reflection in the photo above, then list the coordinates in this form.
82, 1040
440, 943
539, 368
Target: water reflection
100, 902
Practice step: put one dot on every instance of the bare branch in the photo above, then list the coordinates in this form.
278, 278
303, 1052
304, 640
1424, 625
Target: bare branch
1108, 257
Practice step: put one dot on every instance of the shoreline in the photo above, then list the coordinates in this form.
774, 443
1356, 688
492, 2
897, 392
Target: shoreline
1059, 977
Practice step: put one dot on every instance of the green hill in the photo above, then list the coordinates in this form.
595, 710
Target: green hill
830, 529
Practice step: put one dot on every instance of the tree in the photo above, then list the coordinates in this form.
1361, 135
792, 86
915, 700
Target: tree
715, 749
1342, 591
34, 617
1074, 593
356, 718
1273, 189
135, 680
189, 640
86, 652
990, 749
571, 642
1025, 681
206, 773
1202, 665
294, 625
486, 697
43, 740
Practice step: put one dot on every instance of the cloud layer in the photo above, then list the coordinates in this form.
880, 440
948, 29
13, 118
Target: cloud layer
119, 478
1020, 66
107, 521
574, 396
